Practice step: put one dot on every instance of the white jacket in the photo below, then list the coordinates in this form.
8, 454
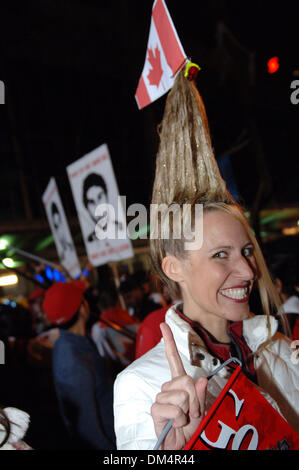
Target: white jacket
136, 387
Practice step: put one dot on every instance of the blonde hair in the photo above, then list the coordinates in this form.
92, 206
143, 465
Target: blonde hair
185, 164
187, 173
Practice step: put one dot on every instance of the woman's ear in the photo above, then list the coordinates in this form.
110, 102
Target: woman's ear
172, 268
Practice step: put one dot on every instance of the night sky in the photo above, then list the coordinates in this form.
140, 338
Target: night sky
71, 69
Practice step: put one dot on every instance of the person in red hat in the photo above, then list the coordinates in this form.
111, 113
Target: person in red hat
81, 381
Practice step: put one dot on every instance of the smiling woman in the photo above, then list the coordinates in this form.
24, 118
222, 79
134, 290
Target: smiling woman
216, 280
213, 322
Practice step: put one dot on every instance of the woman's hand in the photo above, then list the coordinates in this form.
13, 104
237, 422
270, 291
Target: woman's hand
180, 399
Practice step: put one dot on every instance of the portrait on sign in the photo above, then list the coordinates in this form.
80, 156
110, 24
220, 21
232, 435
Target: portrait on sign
101, 212
59, 226
101, 215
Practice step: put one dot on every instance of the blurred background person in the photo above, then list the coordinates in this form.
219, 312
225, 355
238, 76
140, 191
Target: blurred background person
115, 331
137, 302
284, 268
150, 285
82, 382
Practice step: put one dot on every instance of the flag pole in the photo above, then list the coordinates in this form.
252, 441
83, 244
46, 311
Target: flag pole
31, 256
117, 283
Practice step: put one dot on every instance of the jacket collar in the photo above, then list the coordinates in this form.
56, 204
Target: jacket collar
190, 345
255, 331
180, 330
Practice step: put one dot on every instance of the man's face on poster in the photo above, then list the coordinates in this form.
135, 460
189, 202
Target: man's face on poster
96, 195
56, 220
58, 225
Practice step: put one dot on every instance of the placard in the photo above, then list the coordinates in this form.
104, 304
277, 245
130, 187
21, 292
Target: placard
60, 230
99, 207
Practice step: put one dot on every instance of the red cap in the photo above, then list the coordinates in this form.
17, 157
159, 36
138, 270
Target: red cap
62, 300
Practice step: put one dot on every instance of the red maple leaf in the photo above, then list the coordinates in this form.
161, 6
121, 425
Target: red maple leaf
156, 72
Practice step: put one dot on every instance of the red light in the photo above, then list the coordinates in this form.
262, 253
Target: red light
273, 65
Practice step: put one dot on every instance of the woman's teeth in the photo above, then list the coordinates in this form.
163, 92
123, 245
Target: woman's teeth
239, 293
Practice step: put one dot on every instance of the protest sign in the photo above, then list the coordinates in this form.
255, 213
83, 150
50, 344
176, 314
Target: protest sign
99, 207
60, 229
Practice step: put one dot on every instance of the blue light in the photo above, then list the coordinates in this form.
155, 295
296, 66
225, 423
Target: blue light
56, 275
49, 273
39, 278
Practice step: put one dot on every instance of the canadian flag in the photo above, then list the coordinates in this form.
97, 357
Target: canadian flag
164, 57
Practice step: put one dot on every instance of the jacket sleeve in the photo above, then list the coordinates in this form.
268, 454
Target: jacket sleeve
133, 423
278, 373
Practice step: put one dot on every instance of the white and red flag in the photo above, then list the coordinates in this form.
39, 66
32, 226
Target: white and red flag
164, 57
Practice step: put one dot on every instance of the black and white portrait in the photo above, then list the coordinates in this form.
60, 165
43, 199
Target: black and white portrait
60, 232
96, 202
101, 216
60, 229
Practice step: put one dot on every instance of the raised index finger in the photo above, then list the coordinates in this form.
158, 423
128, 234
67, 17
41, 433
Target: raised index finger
172, 354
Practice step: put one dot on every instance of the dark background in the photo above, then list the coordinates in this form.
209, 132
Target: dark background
71, 69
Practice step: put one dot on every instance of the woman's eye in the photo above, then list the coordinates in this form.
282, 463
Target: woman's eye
220, 254
248, 251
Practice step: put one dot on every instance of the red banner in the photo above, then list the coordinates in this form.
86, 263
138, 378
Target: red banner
242, 419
